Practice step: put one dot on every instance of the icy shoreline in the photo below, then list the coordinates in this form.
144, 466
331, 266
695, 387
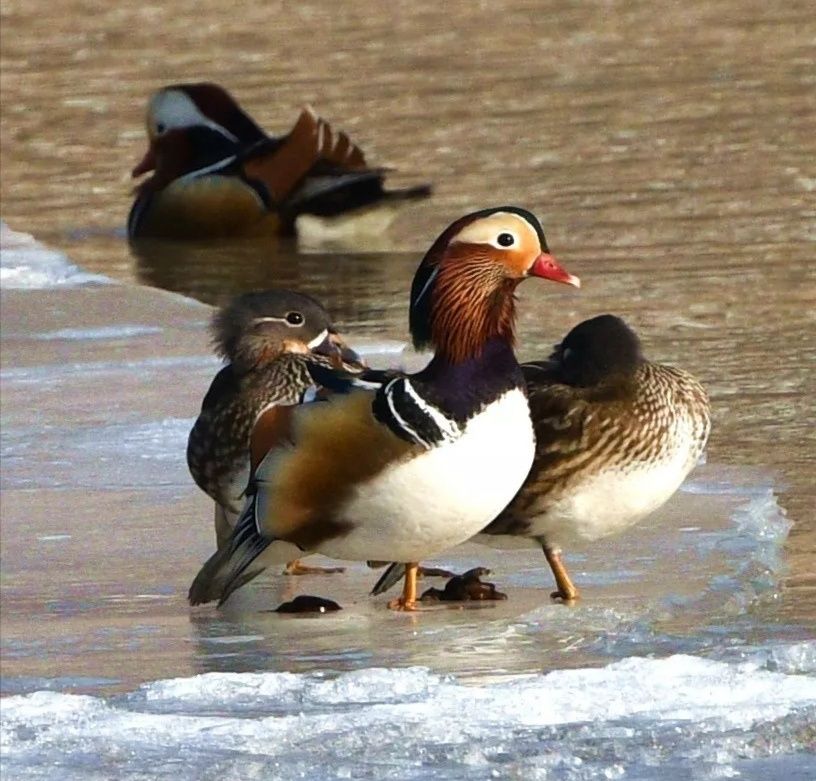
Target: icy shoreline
102, 528
25, 264
630, 719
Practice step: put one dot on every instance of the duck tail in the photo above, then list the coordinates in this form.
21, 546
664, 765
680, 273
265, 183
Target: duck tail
415, 193
392, 575
234, 565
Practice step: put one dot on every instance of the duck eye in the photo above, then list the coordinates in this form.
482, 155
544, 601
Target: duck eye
294, 318
160, 128
506, 239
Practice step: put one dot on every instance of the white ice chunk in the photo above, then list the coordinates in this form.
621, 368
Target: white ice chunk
27, 264
624, 720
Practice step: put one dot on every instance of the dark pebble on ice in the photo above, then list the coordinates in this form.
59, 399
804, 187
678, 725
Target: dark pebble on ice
307, 604
465, 588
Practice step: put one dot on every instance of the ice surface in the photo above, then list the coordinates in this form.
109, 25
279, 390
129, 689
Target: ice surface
51, 373
105, 332
27, 264
110, 457
99, 388
673, 718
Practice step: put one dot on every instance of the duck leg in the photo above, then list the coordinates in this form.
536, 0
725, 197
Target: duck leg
297, 567
396, 570
566, 588
408, 600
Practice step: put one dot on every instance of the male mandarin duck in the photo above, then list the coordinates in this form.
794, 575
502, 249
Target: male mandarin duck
428, 459
216, 173
268, 338
616, 435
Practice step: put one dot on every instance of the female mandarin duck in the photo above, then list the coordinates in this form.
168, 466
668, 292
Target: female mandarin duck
425, 461
616, 435
269, 339
216, 173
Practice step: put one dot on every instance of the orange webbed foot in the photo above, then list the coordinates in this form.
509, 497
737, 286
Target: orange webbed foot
402, 606
297, 567
566, 598
567, 592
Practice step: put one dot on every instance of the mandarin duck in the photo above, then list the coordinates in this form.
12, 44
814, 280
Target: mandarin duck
268, 338
217, 174
424, 461
616, 435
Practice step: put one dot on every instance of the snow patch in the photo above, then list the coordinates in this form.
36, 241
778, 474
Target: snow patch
28, 265
678, 713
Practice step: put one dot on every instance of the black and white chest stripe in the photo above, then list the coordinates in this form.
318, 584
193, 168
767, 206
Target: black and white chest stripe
401, 407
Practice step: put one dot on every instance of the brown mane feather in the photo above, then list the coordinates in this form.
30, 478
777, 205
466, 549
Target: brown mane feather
473, 302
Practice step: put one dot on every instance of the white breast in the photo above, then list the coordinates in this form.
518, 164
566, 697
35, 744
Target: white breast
610, 500
416, 509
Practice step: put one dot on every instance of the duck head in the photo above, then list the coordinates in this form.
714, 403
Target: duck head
596, 350
184, 108
463, 292
256, 328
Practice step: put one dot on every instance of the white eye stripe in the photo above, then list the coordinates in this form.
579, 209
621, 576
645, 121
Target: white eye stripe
174, 110
513, 242
487, 230
494, 242
285, 321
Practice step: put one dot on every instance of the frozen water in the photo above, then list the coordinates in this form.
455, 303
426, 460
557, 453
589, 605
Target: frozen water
27, 264
97, 408
673, 718
108, 457
52, 374
105, 332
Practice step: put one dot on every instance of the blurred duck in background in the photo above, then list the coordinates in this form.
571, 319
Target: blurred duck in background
215, 173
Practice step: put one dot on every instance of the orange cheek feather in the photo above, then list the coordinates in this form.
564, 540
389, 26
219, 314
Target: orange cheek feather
520, 259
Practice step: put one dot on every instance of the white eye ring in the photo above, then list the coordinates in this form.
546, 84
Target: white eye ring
505, 240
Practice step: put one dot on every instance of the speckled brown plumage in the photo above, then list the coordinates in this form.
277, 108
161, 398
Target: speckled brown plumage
268, 365
617, 425
615, 437
217, 452
427, 459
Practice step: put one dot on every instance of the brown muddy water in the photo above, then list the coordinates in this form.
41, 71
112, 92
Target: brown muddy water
668, 148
